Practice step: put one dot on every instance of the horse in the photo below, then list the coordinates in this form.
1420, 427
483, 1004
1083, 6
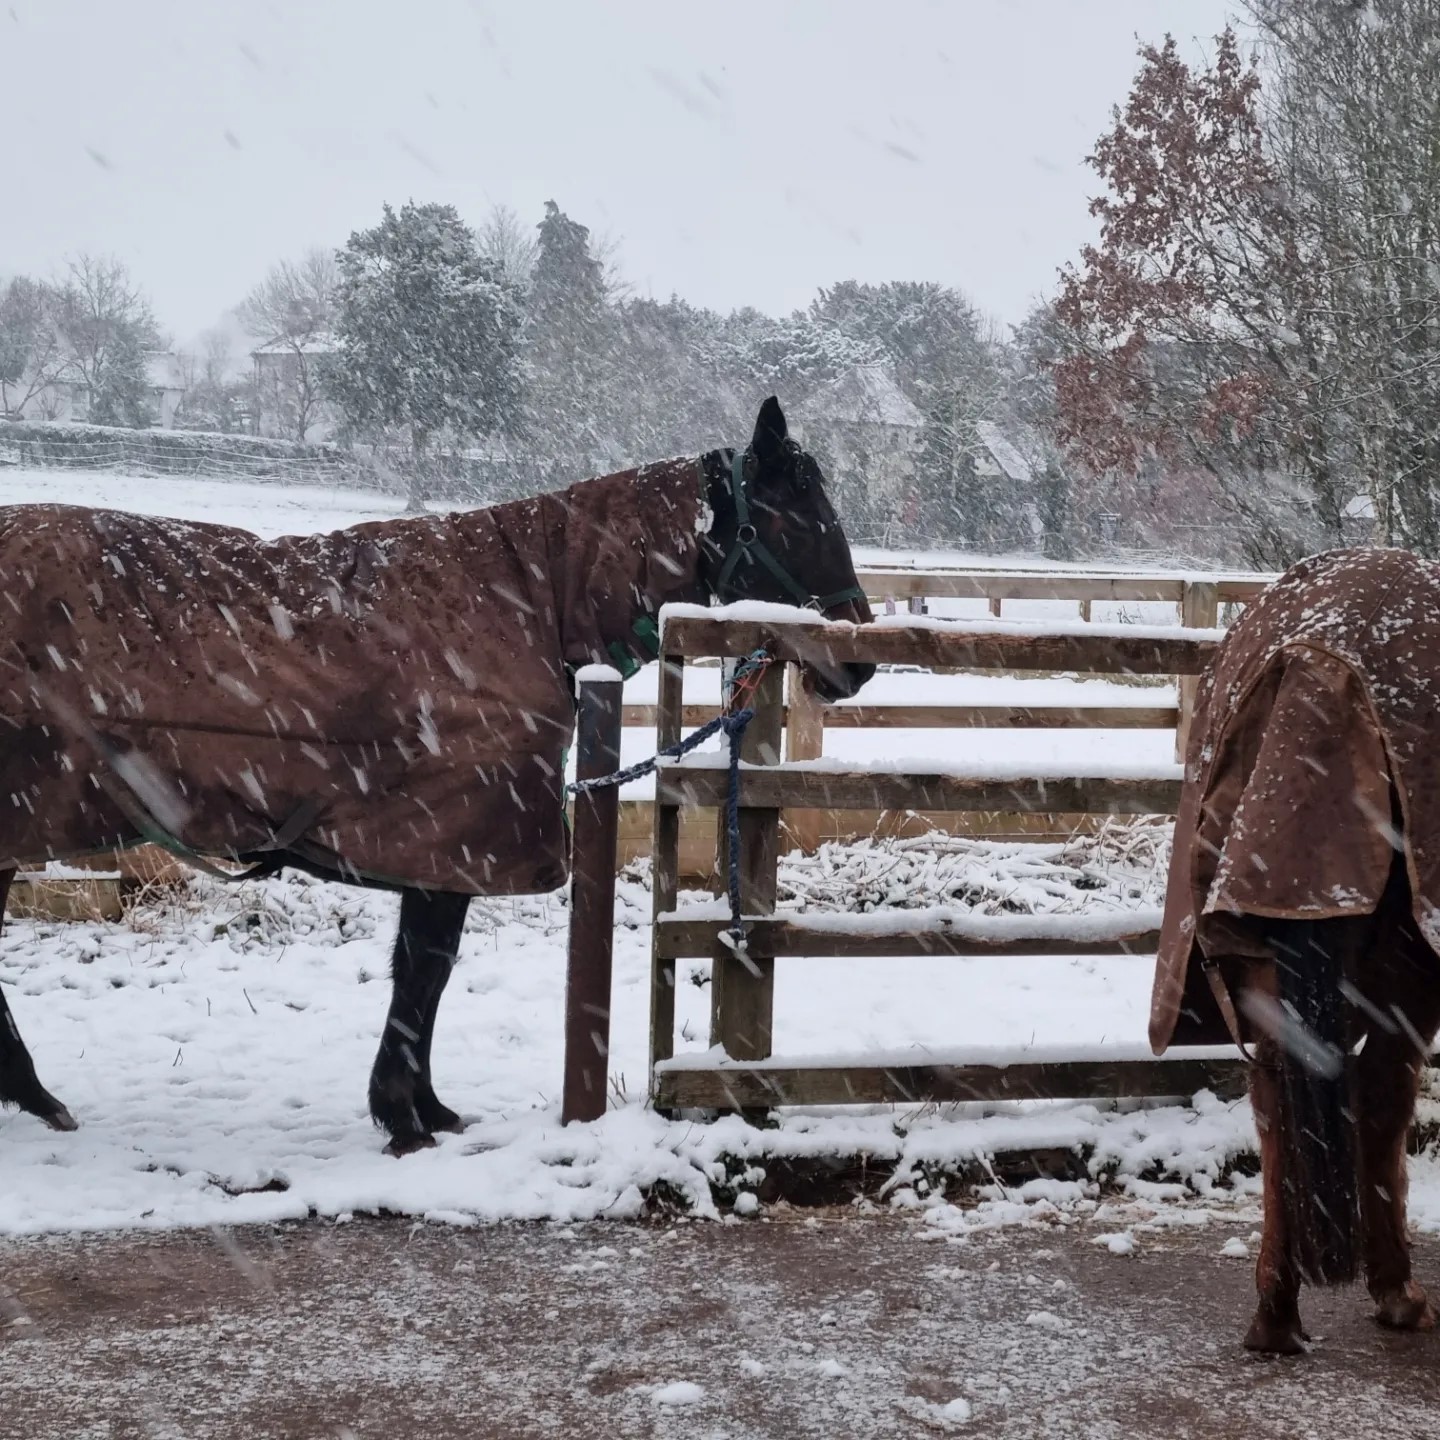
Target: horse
387, 705
1303, 913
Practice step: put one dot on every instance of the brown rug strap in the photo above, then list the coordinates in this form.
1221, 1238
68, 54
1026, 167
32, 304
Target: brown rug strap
1221, 991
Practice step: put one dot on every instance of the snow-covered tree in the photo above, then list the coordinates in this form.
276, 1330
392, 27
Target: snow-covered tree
571, 336
427, 334
105, 327
31, 357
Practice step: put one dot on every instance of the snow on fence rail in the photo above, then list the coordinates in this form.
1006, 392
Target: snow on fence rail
739, 1072
1201, 601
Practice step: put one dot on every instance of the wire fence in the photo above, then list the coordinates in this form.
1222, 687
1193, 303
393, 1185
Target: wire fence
184, 452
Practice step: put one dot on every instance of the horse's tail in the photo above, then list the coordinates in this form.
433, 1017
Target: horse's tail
1321, 1193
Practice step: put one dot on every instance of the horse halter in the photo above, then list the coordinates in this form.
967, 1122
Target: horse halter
749, 546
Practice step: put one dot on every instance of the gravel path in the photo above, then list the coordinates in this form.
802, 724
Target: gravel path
828, 1325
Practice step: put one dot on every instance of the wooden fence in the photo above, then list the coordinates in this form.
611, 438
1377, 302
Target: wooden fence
1200, 601
742, 987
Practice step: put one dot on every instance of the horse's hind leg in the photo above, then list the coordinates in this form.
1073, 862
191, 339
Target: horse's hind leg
402, 1100
1406, 975
1276, 1328
19, 1084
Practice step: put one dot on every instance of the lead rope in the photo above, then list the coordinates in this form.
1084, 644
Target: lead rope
732, 723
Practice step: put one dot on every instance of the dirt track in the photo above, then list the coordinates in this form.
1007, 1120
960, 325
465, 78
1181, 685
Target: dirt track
830, 1325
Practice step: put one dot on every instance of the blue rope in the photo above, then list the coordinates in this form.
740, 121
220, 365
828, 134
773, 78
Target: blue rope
732, 725
734, 728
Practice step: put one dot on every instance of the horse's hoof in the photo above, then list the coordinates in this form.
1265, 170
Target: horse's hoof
401, 1145
1270, 1335
61, 1119
1406, 1309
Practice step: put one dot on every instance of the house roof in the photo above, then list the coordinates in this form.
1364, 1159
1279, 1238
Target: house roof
866, 395
1003, 451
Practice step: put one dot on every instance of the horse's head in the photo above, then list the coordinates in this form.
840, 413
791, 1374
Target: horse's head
776, 537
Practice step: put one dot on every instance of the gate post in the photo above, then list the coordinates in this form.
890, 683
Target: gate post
742, 990
594, 847
1199, 610
804, 740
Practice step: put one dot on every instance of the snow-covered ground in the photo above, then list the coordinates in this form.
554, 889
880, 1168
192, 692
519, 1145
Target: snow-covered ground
216, 1046
219, 1044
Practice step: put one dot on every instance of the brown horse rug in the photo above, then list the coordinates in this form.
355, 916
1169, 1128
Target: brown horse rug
1315, 755
392, 701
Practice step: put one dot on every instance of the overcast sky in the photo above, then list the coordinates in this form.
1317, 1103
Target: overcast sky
743, 152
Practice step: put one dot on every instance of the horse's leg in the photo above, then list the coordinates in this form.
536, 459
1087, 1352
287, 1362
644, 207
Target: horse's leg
1405, 975
1276, 1328
401, 1099
18, 1082
436, 1116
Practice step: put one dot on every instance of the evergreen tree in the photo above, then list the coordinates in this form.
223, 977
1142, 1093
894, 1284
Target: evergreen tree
427, 335
571, 335
30, 355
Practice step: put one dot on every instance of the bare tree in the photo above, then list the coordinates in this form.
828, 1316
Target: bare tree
1262, 304
291, 313
1353, 114
510, 246
105, 327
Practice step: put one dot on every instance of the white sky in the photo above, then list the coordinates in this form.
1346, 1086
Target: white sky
740, 151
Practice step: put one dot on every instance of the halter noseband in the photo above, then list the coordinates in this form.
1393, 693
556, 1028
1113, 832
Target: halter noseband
749, 546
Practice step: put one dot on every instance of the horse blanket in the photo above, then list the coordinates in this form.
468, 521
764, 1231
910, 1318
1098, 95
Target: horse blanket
391, 700
1314, 758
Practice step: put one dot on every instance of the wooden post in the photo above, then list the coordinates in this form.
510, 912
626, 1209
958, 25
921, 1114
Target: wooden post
995, 603
1086, 611
742, 991
1199, 610
665, 867
593, 848
804, 740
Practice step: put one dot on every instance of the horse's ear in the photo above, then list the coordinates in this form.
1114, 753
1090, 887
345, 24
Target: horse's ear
771, 432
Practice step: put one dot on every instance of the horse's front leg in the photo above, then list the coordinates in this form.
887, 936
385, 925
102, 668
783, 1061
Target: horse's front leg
402, 1099
19, 1084
1276, 1328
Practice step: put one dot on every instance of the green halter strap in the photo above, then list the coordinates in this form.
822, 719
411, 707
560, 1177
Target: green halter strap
749, 546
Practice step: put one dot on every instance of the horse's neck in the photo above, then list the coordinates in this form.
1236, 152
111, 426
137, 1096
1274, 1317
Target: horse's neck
632, 545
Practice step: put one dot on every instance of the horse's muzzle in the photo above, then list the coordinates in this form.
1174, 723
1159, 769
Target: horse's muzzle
833, 680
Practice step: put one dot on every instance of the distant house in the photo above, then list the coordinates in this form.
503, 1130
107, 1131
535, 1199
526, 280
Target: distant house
866, 427
998, 457
166, 379
287, 389
65, 397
